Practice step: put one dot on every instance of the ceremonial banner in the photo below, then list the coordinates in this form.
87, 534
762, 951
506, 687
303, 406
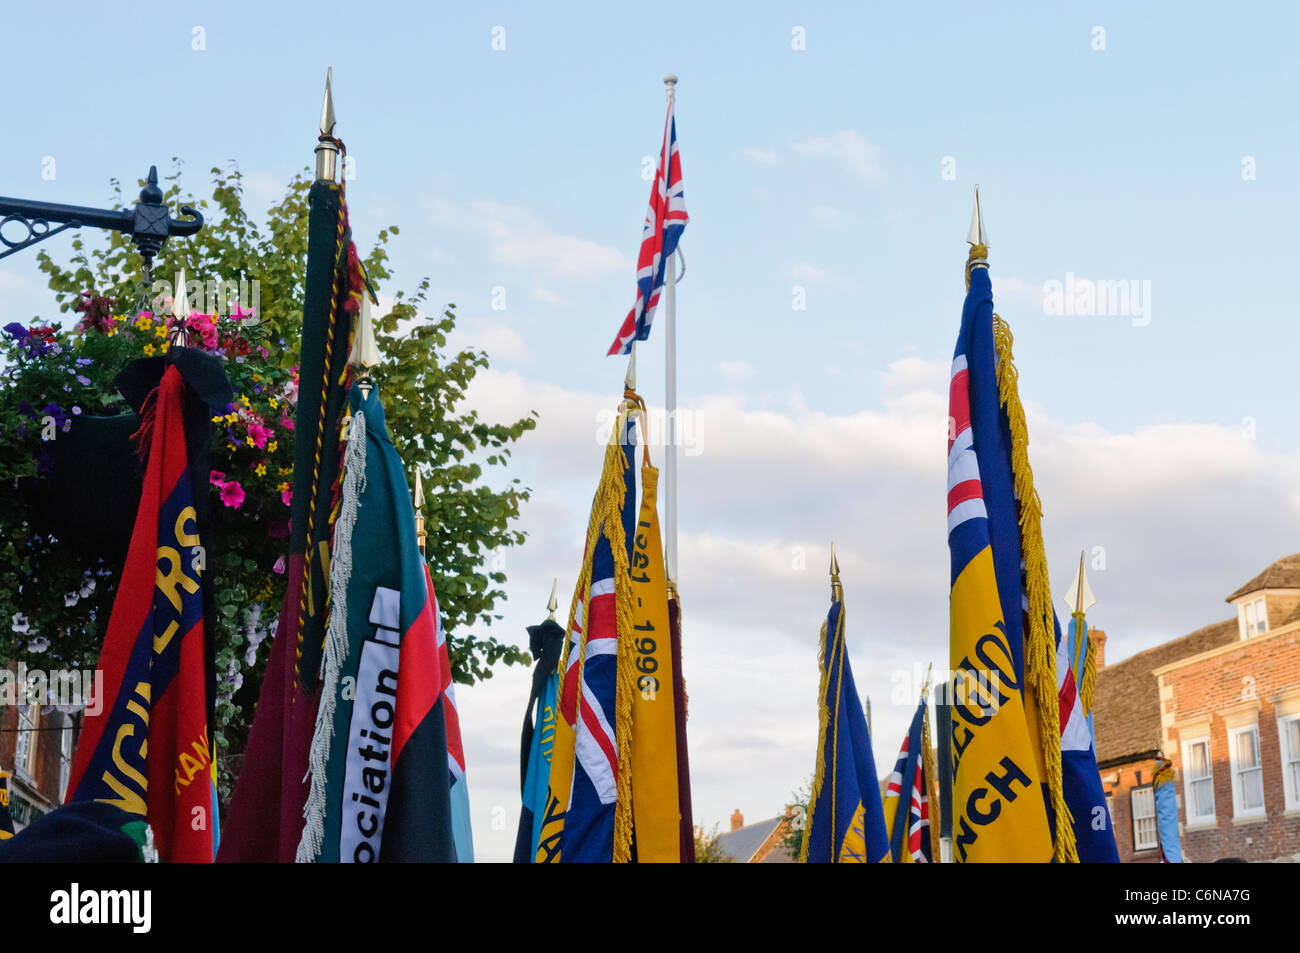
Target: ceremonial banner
1076, 669
1166, 794
545, 642
1002, 784
665, 220
845, 821
460, 823
379, 778
6, 819
265, 820
588, 815
655, 801
148, 751
906, 800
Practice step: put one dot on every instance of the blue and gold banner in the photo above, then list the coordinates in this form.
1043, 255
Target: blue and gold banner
846, 824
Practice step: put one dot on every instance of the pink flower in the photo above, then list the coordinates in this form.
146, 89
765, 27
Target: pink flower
217, 478
279, 566
206, 328
238, 313
286, 496
260, 435
232, 494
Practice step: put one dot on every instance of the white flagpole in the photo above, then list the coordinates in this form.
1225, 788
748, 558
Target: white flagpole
670, 393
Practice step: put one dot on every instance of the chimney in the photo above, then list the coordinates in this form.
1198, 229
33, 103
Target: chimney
737, 820
1098, 636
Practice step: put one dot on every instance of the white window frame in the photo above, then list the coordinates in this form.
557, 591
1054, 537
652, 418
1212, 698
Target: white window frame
65, 757
1259, 608
1290, 761
1154, 840
1238, 811
1189, 796
29, 717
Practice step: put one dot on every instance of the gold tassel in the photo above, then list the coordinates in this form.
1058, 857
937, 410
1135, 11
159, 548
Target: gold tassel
931, 785
823, 722
1088, 681
606, 519
1040, 640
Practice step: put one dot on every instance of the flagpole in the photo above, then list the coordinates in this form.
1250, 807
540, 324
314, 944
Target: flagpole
670, 391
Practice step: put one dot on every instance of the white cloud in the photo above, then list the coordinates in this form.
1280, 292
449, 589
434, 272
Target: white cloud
547, 296
520, 239
773, 486
761, 156
1018, 294
736, 370
807, 271
850, 149
501, 342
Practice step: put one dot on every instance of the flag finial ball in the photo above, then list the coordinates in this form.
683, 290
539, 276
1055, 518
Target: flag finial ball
670, 79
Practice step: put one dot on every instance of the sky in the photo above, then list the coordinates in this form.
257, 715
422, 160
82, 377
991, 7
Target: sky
829, 155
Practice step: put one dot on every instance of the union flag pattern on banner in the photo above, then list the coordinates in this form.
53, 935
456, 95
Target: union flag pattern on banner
906, 801
999, 803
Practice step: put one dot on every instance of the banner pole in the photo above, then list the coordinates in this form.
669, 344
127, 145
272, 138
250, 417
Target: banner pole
670, 393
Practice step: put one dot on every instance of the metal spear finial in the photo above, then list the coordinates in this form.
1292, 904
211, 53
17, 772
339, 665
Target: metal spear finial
420, 534
629, 379
670, 81
365, 352
180, 301
977, 234
327, 149
837, 591
1079, 596
553, 603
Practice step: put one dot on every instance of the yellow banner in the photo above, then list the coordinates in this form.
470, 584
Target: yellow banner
997, 797
654, 727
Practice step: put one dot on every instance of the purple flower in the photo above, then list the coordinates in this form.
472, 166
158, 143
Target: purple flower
76, 411
83, 380
17, 331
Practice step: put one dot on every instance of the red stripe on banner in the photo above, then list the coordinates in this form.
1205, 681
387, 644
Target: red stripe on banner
1067, 696
958, 405
603, 618
597, 731
419, 677
963, 491
135, 594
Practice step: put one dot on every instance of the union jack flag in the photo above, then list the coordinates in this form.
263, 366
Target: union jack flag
665, 220
906, 804
589, 697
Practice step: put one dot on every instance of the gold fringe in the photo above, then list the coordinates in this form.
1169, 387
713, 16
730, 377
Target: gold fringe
1088, 680
931, 784
823, 722
625, 683
1164, 773
606, 519
1039, 636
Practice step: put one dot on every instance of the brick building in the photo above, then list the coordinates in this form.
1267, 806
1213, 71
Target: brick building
1224, 705
36, 748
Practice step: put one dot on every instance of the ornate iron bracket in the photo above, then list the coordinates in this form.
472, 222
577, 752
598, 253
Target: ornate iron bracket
149, 222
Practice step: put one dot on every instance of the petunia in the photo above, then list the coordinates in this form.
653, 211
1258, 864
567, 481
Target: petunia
232, 494
217, 478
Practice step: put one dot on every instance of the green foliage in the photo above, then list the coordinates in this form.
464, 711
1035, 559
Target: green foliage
792, 842
422, 384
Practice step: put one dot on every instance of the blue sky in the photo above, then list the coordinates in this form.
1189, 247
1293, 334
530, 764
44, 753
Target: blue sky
521, 169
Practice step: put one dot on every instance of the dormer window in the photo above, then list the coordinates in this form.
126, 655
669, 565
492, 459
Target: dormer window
1253, 618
